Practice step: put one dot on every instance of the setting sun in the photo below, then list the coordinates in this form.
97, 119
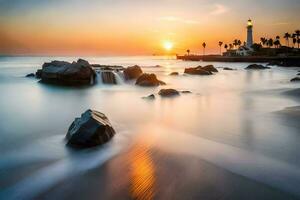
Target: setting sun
168, 45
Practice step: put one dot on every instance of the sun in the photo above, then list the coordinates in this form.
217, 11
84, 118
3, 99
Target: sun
168, 45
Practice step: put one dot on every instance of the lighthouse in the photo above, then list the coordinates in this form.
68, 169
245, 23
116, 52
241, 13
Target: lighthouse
249, 33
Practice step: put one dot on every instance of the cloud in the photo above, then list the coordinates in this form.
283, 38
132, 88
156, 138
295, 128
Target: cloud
178, 19
219, 9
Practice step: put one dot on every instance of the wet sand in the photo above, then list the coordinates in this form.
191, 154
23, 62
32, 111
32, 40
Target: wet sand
147, 173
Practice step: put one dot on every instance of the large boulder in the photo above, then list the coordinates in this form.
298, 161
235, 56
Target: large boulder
91, 129
132, 72
148, 80
108, 77
61, 72
209, 68
256, 67
197, 71
168, 93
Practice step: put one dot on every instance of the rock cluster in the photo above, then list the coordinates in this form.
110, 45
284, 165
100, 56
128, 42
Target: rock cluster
62, 72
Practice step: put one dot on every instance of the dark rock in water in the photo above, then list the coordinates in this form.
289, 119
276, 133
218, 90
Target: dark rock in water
30, 75
150, 97
296, 79
148, 80
186, 92
91, 129
174, 74
197, 71
256, 66
61, 72
228, 68
132, 72
298, 74
108, 77
168, 92
209, 68
38, 73
288, 62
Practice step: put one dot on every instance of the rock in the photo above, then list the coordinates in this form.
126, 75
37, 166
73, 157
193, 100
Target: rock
150, 97
186, 92
256, 66
197, 71
91, 129
174, 74
209, 68
298, 74
38, 73
228, 68
61, 72
108, 77
168, 93
296, 79
148, 80
132, 72
30, 75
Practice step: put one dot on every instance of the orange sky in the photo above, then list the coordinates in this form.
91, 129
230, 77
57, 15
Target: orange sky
125, 27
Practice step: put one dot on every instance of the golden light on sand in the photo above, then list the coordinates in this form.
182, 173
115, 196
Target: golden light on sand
168, 45
142, 170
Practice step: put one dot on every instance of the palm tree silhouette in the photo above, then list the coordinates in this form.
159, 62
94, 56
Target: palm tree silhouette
203, 45
235, 42
220, 44
294, 39
226, 46
263, 41
239, 43
270, 42
287, 38
231, 46
188, 52
297, 34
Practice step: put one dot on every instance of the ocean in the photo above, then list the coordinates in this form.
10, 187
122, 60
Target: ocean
231, 138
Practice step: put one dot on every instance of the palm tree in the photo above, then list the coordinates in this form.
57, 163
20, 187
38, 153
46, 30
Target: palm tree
297, 34
270, 42
230, 46
263, 41
188, 52
226, 46
287, 38
294, 39
220, 44
235, 42
203, 45
277, 43
239, 42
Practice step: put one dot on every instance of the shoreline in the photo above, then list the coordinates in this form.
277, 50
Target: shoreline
217, 58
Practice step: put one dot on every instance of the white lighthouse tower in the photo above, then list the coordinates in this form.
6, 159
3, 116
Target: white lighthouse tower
249, 33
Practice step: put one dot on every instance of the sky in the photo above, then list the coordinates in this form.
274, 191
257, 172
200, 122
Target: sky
137, 27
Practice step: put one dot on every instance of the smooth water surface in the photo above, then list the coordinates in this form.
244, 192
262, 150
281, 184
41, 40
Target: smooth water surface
229, 122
